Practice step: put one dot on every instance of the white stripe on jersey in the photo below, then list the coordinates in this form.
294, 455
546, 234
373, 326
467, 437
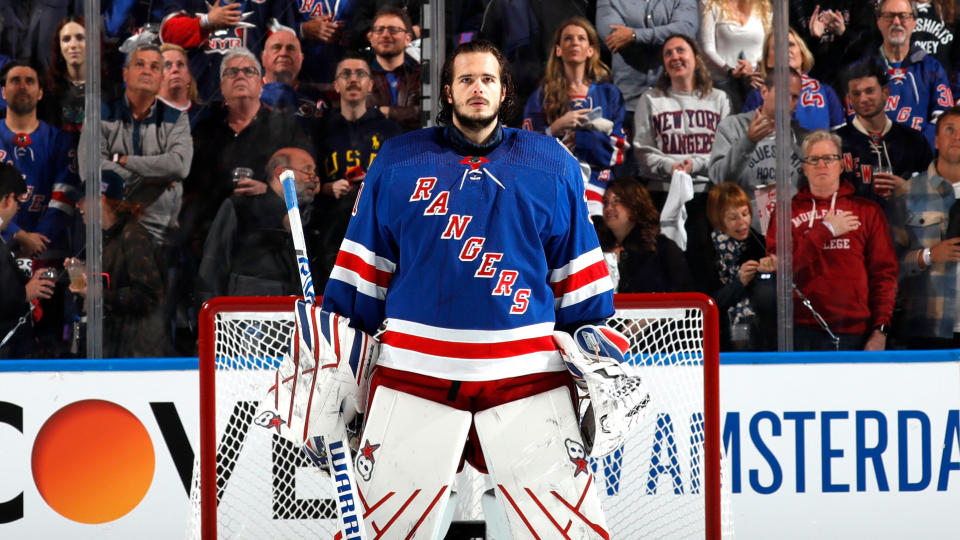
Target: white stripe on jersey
469, 336
368, 256
361, 285
583, 261
461, 369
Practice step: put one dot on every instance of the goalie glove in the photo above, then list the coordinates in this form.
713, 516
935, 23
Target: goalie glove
594, 355
323, 378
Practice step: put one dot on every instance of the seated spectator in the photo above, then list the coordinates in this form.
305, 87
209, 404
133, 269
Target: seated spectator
843, 258
936, 33
396, 76
919, 89
17, 288
925, 221
878, 154
177, 87
732, 35
737, 273
744, 151
836, 31
209, 30
239, 137
635, 34
647, 261
819, 106
249, 251
146, 143
577, 103
348, 138
674, 127
133, 324
282, 90
45, 157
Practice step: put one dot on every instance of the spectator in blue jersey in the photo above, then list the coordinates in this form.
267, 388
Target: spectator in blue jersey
248, 251
177, 87
133, 285
48, 162
919, 89
147, 144
348, 140
327, 33
209, 30
925, 223
878, 154
577, 103
647, 261
744, 151
18, 287
47, 158
396, 76
282, 89
635, 33
819, 107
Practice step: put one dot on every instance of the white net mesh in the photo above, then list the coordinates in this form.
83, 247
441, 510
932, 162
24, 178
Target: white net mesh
653, 487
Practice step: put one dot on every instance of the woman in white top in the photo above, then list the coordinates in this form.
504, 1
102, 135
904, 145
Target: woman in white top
732, 33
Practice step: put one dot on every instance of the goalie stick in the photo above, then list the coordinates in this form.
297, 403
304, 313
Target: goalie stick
349, 507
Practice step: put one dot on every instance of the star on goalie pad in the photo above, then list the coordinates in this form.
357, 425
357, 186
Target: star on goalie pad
323, 375
594, 355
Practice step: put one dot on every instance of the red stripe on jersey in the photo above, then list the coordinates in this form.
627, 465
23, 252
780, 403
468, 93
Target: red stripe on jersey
574, 281
594, 196
457, 349
370, 273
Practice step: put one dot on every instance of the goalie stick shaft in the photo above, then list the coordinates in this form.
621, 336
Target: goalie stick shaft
347, 499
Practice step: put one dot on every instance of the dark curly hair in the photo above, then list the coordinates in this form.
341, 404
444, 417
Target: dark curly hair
445, 114
636, 199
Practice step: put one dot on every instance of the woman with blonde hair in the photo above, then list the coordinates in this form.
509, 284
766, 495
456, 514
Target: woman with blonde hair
819, 106
577, 103
732, 32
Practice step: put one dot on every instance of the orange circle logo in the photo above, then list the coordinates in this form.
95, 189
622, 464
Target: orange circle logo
93, 461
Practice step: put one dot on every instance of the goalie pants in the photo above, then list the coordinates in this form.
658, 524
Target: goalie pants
471, 396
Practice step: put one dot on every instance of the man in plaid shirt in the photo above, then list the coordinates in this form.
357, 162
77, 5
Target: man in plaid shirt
925, 226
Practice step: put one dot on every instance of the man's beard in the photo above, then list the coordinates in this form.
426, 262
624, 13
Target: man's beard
22, 107
475, 124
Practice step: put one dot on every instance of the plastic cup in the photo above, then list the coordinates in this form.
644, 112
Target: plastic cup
77, 271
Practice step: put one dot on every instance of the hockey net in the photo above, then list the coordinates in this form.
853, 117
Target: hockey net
668, 481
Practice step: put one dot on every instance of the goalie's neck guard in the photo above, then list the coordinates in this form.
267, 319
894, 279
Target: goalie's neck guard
466, 147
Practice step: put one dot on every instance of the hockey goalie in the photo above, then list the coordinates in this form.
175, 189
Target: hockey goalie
466, 306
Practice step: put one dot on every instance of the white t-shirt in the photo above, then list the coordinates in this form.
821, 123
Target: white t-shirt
723, 41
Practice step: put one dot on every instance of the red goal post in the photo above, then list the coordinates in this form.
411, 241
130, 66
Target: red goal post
665, 482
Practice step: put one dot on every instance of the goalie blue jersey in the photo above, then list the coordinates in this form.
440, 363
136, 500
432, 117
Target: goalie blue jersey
471, 262
48, 163
594, 149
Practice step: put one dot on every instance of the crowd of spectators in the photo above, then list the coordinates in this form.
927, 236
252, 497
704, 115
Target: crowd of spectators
668, 105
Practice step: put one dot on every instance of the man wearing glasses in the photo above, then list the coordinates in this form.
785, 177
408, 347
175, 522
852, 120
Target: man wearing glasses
232, 145
247, 252
348, 140
843, 258
919, 88
396, 76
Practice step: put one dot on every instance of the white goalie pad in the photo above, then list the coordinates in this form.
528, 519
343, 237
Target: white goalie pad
539, 467
409, 452
594, 355
325, 374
